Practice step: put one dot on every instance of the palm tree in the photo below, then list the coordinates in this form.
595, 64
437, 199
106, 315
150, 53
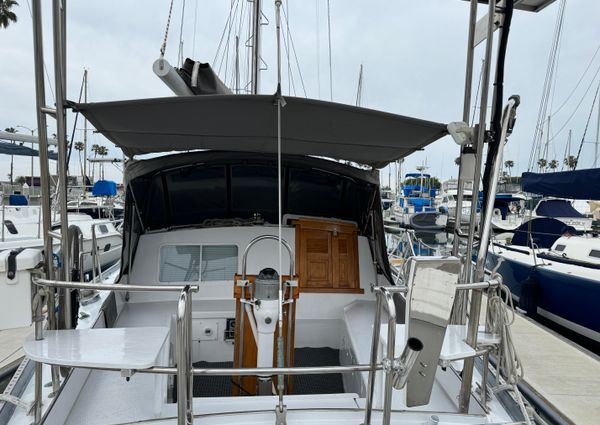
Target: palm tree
79, 146
542, 163
457, 160
103, 152
95, 148
553, 165
6, 15
571, 162
509, 164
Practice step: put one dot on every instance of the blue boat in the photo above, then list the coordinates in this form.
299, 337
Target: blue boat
552, 269
417, 208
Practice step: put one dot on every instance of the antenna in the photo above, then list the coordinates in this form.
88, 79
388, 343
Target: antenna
360, 86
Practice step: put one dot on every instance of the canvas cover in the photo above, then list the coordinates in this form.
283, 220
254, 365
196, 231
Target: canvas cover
248, 123
578, 184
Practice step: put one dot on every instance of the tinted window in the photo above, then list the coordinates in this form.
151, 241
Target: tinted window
219, 262
179, 263
313, 193
560, 247
595, 253
254, 190
197, 194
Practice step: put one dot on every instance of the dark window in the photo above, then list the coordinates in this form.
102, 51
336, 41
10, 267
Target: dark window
595, 253
103, 228
10, 227
196, 194
560, 247
254, 190
315, 193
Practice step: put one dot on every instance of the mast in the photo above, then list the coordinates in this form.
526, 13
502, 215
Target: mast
597, 138
85, 81
256, 12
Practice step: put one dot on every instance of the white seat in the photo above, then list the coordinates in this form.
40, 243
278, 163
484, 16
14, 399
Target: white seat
113, 348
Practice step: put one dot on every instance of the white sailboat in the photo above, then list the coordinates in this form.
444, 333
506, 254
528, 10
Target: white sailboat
254, 285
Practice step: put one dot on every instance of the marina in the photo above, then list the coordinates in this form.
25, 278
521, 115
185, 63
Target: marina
224, 242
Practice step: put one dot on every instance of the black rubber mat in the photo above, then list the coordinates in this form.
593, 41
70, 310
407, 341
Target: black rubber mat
330, 383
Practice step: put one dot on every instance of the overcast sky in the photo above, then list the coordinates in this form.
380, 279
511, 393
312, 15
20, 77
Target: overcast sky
413, 55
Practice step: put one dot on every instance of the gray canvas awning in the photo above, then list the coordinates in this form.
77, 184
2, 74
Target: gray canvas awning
248, 123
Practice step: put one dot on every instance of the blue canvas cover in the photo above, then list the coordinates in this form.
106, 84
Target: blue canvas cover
557, 208
21, 150
578, 184
104, 188
544, 232
18, 200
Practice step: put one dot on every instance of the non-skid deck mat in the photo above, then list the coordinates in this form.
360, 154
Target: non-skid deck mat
220, 386
330, 383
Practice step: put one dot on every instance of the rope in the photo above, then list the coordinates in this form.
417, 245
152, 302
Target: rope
500, 316
586, 128
163, 48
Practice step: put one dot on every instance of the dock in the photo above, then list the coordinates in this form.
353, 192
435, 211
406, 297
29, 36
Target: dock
566, 376
11, 343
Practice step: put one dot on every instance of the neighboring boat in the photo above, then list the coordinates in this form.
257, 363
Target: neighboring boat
447, 201
416, 208
551, 270
509, 211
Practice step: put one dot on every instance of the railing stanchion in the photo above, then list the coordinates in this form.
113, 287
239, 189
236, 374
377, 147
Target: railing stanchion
373, 361
387, 297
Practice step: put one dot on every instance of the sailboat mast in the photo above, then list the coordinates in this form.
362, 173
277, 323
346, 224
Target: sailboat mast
256, 46
85, 73
597, 138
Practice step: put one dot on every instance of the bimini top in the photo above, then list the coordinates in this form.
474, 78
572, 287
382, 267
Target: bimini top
579, 184
248, 123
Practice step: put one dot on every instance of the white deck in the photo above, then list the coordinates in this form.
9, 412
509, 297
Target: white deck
115, 348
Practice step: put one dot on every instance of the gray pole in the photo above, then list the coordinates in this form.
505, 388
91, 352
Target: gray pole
40, 100
597, 138
256, 47
59, 30
85, 88
475, 308
466, 119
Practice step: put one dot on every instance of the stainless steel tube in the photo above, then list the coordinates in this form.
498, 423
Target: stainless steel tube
184, 396
406, 361
273, 238
114, 286
256, 47
59, 31
373, 361
475, 308
391, 346
40, 102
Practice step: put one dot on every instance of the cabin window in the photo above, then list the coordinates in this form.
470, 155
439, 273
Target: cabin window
219, 262
179, 263
560, 247
595, 253
193, 263
103, 228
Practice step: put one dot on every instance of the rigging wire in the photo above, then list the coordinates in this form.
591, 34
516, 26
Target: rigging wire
587, 90
547, 88
223, 34
477, 92
180, 51
578, 82
291, 40
44, 63
329, 37
318, 49
586, 127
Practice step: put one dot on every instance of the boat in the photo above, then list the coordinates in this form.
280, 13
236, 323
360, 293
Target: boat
254, 285
446, 200
552, 269
416, 208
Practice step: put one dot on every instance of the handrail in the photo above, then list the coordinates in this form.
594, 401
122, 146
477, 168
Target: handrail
185, 382
114, 286
270, 237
